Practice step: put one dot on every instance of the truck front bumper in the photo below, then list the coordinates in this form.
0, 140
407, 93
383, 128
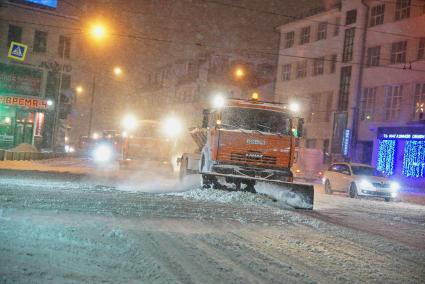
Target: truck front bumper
253, 172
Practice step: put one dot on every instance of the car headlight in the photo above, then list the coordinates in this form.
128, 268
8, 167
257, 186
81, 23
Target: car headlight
365, 183
394, 186
102, 153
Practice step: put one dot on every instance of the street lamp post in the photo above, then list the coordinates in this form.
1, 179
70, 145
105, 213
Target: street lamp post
93, 89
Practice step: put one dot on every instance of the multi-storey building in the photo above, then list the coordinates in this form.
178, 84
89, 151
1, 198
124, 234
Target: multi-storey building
185, 87
357, 70
29, 89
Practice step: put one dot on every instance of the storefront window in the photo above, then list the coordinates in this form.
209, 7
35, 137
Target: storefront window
7, 117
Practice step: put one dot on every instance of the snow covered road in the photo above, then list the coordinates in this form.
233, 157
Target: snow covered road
70, 228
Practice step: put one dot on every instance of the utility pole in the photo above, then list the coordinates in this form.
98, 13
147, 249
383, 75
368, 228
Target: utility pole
58, 101
93, 90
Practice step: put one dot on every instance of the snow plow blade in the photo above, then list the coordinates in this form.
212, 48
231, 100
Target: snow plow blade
296, 195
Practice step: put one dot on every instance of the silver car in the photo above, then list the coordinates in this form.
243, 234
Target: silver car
359, 180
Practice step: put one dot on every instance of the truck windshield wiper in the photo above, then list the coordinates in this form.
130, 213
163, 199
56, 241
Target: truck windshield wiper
266, 127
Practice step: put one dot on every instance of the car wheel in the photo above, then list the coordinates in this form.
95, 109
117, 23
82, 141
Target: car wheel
388, 199
328, 188
353, 191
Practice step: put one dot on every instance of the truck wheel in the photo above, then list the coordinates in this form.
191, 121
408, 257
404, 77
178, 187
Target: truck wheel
328, 188
205, 181
353, 191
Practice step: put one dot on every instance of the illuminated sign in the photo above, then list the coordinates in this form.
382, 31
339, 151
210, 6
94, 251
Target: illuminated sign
25, 102
346, 139
47, 3
403, 133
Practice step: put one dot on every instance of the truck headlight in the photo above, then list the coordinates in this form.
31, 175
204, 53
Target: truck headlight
172, 127
102, 153
129, 122
394, 186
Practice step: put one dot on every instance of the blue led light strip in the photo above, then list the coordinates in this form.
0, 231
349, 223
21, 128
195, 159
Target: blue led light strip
414, 159
386, 154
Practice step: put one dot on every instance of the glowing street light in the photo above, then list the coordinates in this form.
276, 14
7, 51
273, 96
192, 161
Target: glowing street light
98, 31
239, 73
79, 89
117, 71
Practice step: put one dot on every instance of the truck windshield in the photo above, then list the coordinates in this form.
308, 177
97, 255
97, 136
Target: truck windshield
148, 129
255, 119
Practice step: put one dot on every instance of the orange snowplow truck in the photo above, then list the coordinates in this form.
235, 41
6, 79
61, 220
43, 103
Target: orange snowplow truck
146, 147
245, 142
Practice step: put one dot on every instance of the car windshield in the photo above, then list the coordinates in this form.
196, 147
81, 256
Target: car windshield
255, 119
366, 171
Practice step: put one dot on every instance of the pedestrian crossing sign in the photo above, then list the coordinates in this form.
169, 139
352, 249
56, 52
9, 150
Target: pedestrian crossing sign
17, 51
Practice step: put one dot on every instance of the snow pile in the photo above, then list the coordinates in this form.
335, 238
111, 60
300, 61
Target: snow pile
281, 193
24, 147
222, 196
152, 182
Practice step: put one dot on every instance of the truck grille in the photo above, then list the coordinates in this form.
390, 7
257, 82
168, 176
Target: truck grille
253, 157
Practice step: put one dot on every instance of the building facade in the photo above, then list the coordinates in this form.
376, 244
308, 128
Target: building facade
186, 87
357, 71
36, 94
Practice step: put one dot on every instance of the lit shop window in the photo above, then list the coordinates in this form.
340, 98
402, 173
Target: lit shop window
414, 159
386, 155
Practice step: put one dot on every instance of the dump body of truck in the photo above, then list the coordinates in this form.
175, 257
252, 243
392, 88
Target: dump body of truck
245, 142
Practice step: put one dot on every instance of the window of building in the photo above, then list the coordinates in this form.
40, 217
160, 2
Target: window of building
344, 88
393, 95
328, 110
333, 63
286, 72
305, 35
337, 24
289, 39
322, 30
40, 41
373, 56
301, 69
314, 108
420, 102
421, 48
367, 104
64, 48
310, 143
398, 52
347, 53
318, 66
402, 9
377, 15
351, 17
14, 34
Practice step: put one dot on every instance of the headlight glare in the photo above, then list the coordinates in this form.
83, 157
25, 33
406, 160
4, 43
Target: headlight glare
395, 185
102, 153
366, 183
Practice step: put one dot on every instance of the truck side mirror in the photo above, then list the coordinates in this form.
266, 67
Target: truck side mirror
205, 116
300, 127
